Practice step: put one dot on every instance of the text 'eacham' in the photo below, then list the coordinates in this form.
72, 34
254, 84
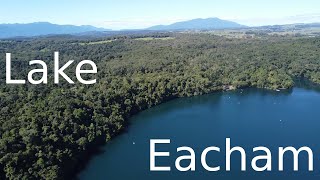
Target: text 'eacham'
190, 156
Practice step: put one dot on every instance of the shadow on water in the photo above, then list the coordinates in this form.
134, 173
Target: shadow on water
208, 99
307, 84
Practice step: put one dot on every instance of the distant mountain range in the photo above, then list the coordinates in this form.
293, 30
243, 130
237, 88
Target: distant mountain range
42, 28
45, 28
199, 24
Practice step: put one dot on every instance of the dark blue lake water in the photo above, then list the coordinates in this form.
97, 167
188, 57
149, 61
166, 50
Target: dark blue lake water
250, 118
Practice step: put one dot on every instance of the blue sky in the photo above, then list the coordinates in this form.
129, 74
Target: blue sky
119, 14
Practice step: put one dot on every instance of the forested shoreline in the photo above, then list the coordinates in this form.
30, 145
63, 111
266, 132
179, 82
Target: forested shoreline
48, 129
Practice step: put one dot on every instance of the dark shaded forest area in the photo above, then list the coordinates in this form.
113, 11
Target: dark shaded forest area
46, 130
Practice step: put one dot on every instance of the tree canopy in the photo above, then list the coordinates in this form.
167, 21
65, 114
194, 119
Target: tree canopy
47, 130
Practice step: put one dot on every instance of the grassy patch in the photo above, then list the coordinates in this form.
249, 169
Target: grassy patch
153, 38
96, 42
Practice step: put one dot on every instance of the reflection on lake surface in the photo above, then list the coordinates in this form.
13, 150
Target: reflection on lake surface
250, 118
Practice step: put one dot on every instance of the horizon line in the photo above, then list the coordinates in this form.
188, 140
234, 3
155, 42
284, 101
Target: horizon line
166, 24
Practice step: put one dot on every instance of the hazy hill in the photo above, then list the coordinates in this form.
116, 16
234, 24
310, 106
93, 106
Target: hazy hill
199, 24
42, 28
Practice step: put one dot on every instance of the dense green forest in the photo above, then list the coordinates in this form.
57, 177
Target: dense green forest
46, 131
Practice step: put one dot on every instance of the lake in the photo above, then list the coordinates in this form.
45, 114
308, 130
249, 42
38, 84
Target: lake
251, 118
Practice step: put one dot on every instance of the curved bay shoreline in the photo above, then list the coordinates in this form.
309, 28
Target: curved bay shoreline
50, 130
